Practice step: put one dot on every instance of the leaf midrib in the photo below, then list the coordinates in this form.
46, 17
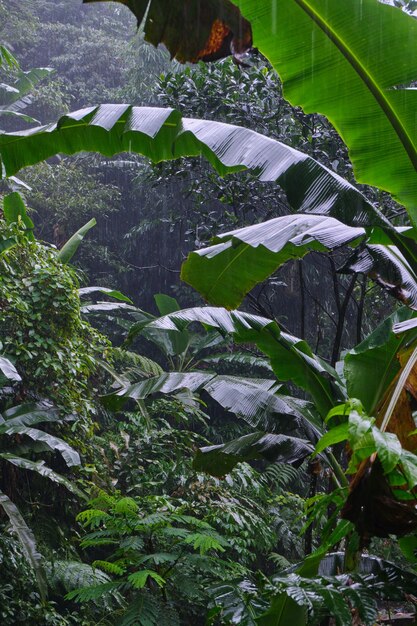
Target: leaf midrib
367, 79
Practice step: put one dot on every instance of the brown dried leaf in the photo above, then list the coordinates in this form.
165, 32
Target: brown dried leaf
402, 422
193, 30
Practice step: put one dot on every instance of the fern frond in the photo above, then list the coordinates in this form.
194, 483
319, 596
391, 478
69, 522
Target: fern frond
280, 475
144, 610
95, 592
126, 506
110, 568
138, 579
92, 517
203, 543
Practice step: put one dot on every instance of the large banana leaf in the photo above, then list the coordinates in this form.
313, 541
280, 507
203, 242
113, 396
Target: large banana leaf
387, 266
372, 365
225, 272
30, 414
349, 61
221, 459
43, 470
346, 60
70, 456
252, 399
291, 358
161, 134
27, 541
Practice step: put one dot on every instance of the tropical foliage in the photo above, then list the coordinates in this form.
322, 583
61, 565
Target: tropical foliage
226, 484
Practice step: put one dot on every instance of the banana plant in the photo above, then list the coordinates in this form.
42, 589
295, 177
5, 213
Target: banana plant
15, 97
19, 437
355, 64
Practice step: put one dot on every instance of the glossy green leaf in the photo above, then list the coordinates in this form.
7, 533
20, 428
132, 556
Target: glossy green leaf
372, 365
291, 358
335, 435
71, 246
225, 272
350, 57
161, 134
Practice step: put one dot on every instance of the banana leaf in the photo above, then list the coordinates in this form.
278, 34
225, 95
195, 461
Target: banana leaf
226, 271
290, 357
351, 61
162, 134
219, 460
27, 541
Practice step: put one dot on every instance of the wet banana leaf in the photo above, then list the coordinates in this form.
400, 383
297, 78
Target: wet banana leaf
351, 61
221, 459
225, 272
162, 134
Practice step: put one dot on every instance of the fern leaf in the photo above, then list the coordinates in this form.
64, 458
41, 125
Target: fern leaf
204, 543
73, 574
110, 568
138, 579
95, 592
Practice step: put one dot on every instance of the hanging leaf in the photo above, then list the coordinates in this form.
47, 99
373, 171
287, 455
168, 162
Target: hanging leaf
388, 267
291, 358
221, 459
193, 30
27, 541
162, 134
225, 272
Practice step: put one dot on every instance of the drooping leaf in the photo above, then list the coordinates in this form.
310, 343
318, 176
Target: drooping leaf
387, 266
71, 246
27, 541
226, 271
219, 460
291, 358
193, 30
112, 293
31, 413
166, 383
43, 470
161, 134
70, 456
252, 399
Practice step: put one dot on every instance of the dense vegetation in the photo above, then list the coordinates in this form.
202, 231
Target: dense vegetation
207, 325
